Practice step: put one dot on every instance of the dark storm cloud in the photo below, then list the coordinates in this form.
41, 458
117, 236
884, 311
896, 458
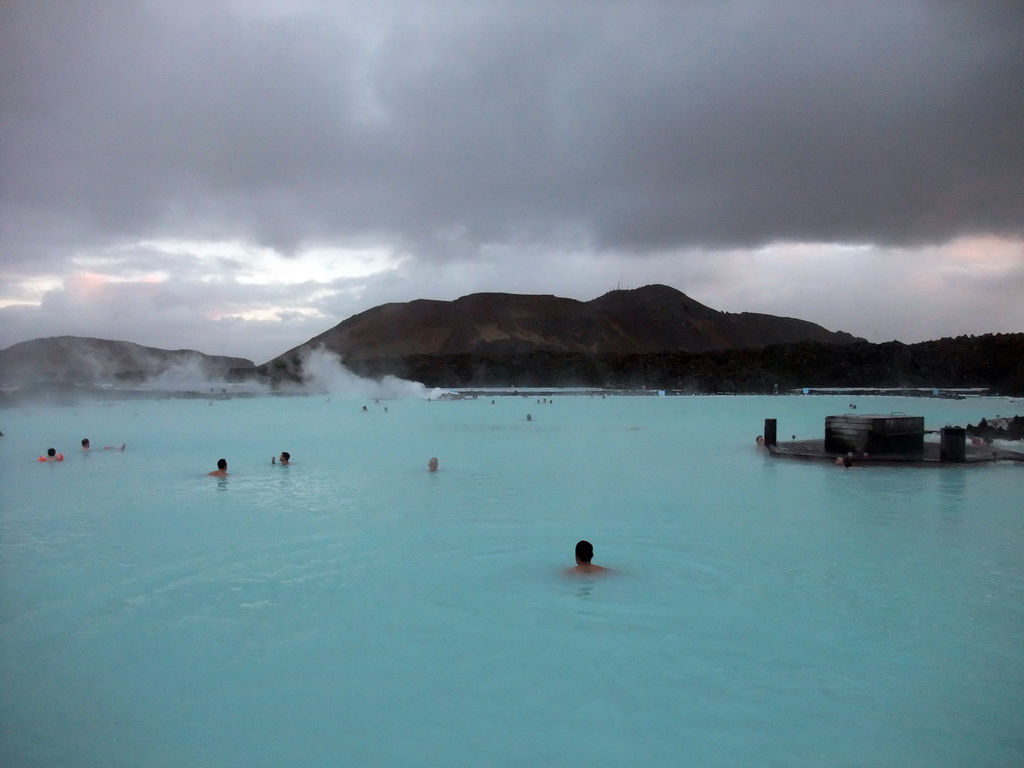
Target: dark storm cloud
637, 126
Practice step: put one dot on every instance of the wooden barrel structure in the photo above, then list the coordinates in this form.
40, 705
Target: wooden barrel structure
875, 434
953, 445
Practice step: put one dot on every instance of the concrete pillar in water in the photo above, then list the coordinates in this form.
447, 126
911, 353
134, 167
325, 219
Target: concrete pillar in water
953, 445
769, 432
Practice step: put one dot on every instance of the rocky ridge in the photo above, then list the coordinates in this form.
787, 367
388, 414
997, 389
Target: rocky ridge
72, 360
652, 319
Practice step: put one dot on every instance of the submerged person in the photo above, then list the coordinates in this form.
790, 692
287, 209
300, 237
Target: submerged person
284, 461
759, 441
584, 554
432, 464
844, 461
52, 455
222, 469
86, 445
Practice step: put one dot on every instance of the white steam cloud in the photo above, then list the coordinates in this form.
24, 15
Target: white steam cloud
325, 372
194, 376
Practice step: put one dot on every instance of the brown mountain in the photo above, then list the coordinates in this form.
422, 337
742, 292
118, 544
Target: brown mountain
76, 360
654, 318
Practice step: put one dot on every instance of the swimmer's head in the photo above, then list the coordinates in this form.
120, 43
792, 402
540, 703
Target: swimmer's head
432, 464
584, 551
51, 452
759, 441
285, 456
222, 463
85, 442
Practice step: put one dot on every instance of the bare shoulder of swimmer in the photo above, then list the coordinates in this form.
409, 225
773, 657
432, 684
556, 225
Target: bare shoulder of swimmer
587, 568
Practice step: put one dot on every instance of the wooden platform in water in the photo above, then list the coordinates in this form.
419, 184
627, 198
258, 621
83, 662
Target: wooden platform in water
814, 450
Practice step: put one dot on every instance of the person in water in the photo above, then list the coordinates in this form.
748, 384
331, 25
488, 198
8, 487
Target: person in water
222, 469
432, 464
844, 461
284, 461
759, 442
584, 554
86, 445
52, 455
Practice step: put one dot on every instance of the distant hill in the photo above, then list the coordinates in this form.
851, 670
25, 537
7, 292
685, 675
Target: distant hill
646, 320
653, 337
76, 360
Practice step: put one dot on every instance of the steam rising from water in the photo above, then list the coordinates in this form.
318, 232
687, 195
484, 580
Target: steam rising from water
324, 372
193, 376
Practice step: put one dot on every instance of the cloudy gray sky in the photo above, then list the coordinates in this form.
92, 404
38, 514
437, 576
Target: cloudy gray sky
237, 176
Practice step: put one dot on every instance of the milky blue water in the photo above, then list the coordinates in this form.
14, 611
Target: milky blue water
354, 609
